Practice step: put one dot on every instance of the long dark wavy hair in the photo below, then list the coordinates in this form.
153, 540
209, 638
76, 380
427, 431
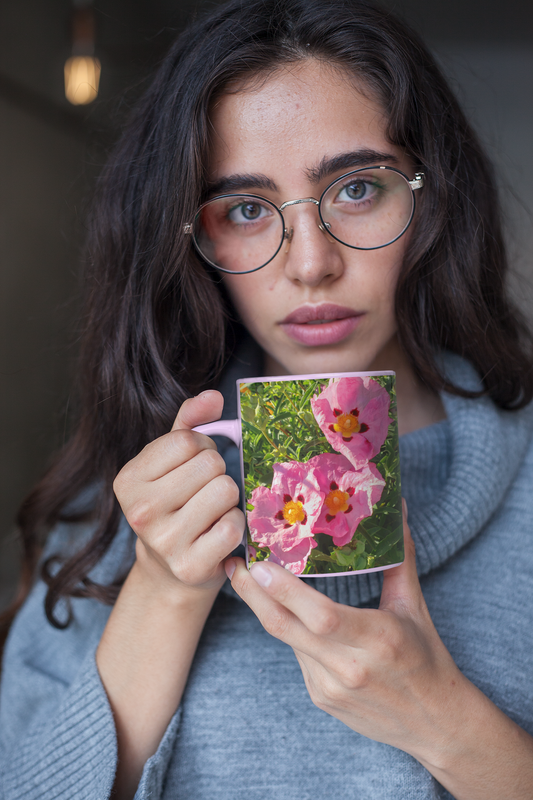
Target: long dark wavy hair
156, 326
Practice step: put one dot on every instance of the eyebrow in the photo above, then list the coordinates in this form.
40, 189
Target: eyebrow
240, 183
327, 166
348, 161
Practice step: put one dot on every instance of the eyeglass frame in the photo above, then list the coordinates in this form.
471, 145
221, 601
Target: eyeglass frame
416, 183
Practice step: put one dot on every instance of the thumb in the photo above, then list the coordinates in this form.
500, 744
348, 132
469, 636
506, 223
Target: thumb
205, 407
401, 587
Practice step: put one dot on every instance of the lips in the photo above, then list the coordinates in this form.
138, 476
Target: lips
324, 324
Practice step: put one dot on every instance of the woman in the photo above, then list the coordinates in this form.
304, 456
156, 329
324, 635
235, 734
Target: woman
177, 689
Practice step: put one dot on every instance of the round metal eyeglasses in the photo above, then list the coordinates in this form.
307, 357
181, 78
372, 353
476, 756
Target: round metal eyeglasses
364, 209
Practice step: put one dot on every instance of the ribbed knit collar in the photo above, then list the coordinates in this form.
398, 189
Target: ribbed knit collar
455, 474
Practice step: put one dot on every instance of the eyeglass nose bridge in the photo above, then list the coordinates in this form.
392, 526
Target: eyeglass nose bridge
297, 202
289, 233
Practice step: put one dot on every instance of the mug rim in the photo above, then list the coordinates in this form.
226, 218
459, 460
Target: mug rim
316, 376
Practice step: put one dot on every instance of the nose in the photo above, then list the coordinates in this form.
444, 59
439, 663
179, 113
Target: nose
311, 255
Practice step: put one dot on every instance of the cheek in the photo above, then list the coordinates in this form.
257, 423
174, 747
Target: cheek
247, 293
375, 280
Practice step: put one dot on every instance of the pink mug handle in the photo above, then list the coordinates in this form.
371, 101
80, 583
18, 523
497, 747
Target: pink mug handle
231, 428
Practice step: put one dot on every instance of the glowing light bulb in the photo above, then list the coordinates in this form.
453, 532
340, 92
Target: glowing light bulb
82, 78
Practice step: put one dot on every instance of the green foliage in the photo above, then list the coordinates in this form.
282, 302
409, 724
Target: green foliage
278, 425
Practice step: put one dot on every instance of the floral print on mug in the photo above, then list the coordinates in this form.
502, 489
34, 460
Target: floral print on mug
321, 469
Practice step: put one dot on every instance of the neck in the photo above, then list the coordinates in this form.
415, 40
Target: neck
418, 406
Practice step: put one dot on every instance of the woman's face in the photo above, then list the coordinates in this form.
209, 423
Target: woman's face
318, 306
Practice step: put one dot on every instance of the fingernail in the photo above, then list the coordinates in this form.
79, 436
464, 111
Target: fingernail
229, 566
261, 574
405, 509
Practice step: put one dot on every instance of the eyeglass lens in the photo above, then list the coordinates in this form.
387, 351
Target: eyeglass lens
366, 209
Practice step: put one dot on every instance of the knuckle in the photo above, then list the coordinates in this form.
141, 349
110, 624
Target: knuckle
390, 642
187, 574
276, 623
118, 484
326, 621
210, 462
225, 490
326, 693
237, 518
228, 531
124, 479
140, 515
187, 570
284, 593
352, 676
182, 441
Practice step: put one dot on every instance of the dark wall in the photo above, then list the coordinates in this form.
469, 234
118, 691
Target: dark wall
50, 153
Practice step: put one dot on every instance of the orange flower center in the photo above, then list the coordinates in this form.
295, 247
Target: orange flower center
347, 424
293, 512
336, 501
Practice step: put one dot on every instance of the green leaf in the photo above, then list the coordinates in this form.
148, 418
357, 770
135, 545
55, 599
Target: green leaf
253, 428
280, 417
360, 563
389, 542
247, 413
308, 394
360, 547
344, 559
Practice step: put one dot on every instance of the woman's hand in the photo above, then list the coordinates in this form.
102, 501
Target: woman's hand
374, 669
181, 504
386, 674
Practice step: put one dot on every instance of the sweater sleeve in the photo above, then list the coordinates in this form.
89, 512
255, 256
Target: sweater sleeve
57, 733
153, 777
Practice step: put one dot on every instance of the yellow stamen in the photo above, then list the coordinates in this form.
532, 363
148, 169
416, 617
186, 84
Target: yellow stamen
336, 501
347, 424
293, 512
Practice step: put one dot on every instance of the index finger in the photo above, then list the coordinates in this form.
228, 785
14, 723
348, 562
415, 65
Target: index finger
275, 618
320, 615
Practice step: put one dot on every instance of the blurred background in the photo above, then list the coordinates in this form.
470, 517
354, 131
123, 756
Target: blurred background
51, 151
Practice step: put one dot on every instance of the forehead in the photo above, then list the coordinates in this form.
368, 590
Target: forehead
293, 119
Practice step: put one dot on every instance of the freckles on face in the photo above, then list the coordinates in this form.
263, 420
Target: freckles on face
318, 305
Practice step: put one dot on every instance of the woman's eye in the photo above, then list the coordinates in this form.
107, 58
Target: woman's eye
247, 212
356, 190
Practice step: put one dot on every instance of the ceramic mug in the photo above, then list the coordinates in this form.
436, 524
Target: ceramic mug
320, 469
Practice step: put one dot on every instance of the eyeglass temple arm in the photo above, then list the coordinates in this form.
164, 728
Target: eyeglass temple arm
418, 181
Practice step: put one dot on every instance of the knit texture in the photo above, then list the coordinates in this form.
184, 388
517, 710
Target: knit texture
246, 728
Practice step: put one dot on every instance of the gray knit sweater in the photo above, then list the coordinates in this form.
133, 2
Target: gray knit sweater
246, 728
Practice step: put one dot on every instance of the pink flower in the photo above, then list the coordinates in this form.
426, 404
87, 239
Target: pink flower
349, 495
353, 414
294, 559
283, 516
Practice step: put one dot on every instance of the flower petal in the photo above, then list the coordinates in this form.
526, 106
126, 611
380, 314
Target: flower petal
269, 521
362, 399
362, 489
294, 559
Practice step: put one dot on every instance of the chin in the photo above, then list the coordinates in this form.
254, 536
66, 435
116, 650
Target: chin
308, 363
